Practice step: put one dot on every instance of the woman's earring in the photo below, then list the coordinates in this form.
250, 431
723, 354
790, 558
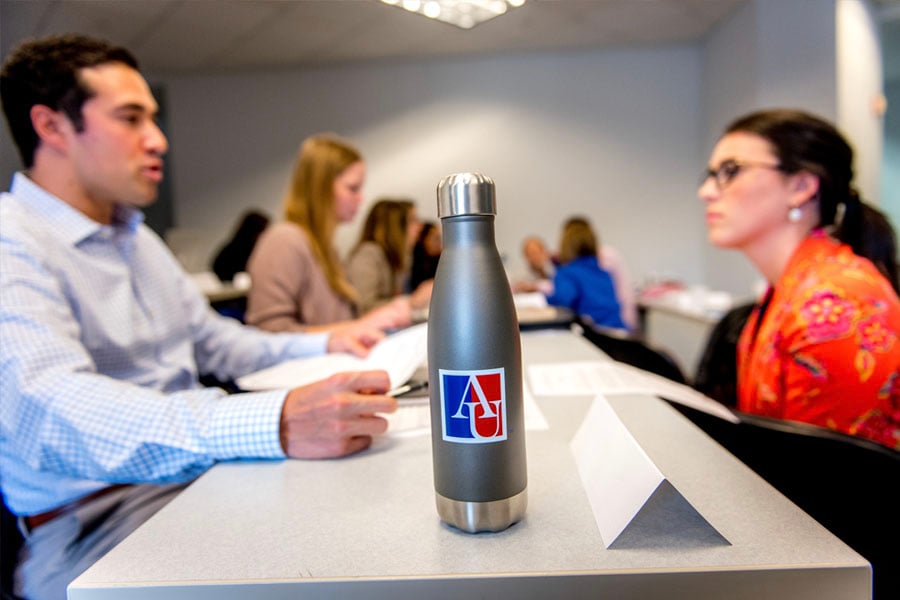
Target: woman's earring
795, 214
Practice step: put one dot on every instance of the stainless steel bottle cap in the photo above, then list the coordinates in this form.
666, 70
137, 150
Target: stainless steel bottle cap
466, 194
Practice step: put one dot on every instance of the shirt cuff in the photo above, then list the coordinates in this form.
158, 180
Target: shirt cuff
308, 344
248, 426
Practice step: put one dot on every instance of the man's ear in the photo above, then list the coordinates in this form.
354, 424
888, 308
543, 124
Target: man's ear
50, 126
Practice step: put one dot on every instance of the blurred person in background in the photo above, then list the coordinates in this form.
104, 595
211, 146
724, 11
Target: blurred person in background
232, 257
299, 283
822, 346
425, 256
579, 283
379, 264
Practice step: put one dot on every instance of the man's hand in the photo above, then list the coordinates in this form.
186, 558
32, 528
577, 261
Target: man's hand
336, 416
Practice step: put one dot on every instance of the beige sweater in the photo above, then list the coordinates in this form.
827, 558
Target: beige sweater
289, 290
370, 273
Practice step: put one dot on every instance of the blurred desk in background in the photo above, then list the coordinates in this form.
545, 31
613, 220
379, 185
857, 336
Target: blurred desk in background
226, 293
679, 321
532, 313
226, 298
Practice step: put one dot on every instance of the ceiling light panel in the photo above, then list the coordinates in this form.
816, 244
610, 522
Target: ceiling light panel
464, 14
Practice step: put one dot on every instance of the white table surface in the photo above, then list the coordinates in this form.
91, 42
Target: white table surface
366, 526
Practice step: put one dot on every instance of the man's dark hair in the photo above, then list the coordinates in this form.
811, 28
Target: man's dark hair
46, 71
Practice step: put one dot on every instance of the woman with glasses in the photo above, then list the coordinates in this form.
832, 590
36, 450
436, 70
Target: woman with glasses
822, 346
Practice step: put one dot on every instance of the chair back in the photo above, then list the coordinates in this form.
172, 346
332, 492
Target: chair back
716, 374
621, 346
847, 483
10, 543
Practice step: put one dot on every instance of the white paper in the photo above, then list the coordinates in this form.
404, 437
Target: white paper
413, 416
617, 474
529, 300
587, 378
534, 418
400, 354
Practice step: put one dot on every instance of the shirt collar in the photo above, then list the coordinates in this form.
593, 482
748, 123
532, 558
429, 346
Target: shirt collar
68, 223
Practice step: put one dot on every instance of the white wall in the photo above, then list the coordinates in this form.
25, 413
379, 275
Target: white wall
9, 156
890, 175
770, 53
860, 81
613, 135
889, 31
797, 53
618, 135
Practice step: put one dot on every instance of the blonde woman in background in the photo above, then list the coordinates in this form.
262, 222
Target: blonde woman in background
298, 281
379, 264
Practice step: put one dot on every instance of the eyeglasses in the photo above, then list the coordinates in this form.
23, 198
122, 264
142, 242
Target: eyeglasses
729, 169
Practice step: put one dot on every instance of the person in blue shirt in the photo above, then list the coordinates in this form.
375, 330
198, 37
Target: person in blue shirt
579, 283
103, 336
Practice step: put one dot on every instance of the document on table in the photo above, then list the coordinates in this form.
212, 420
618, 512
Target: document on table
529, 300
588, 378
400, 354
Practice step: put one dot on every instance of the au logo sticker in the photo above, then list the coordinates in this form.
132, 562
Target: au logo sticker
473, 406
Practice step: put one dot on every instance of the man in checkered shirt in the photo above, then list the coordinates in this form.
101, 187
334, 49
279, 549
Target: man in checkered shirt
103, 336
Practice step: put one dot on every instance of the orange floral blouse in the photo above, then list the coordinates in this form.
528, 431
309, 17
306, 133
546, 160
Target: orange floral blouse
826, 350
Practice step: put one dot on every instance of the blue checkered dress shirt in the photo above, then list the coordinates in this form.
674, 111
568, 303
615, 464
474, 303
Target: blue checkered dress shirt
102, 335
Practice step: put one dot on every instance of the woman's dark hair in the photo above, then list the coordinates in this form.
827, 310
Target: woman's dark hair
881, 248
233, 256
424, 265
386, 225
46, 71
427, 226
805, 142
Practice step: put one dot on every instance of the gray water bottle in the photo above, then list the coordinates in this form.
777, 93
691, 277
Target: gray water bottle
475, 367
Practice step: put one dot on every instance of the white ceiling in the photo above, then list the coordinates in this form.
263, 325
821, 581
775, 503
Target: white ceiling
219, 35
182, 36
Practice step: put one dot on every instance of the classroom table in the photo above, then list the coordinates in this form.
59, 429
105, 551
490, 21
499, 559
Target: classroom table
680, 328
366, 526
225, 293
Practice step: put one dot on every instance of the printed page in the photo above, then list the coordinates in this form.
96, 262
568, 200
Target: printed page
588, 378
529, 300
400, 354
